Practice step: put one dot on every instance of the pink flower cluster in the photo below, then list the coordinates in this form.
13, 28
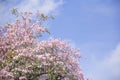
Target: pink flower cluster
24, 57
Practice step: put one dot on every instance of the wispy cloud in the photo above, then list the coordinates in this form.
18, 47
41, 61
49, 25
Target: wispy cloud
109, 68
45, 6
113, 63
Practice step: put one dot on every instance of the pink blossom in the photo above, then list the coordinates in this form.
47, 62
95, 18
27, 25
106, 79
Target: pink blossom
34, 56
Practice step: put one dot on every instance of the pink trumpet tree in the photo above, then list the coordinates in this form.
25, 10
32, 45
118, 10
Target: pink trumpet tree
24, 57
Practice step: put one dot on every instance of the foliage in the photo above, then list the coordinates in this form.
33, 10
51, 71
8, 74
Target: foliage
24, 57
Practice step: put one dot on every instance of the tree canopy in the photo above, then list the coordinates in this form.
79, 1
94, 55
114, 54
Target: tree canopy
24, 57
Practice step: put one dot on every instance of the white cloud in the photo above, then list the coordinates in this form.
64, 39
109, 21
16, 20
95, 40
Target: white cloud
109, 68
113, 62
45, 6
50, 6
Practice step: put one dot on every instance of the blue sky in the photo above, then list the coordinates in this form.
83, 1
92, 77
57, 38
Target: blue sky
91, 25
